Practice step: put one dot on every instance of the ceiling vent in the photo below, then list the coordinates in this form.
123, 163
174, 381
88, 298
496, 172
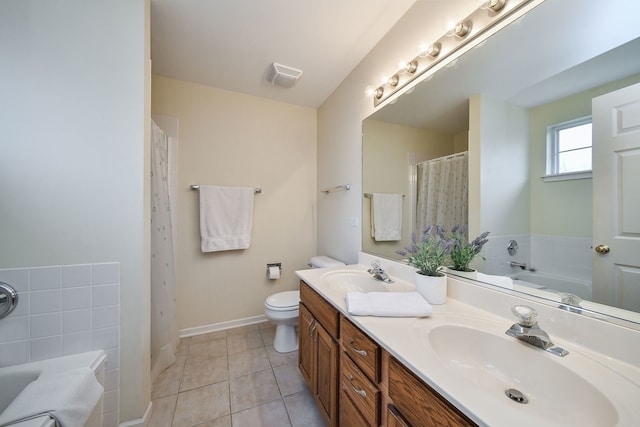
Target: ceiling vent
281, 75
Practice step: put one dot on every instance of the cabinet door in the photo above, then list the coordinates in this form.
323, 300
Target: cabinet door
349, 414
394, 419
306, 347
326, 375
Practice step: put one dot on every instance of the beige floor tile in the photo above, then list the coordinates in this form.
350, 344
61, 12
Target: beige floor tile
202, 404
303, 411
268, 334
289, 379
237, 343
248, 361
266, 325
243, 330
183, 346
253, 389
279, 359
162, 413
271, 414
220, 422
168, 382
210, 349
208, 337
205, 372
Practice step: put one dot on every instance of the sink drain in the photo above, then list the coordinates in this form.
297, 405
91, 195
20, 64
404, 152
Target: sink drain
516, 396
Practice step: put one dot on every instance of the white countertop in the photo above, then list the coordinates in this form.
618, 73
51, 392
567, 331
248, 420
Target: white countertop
407, 340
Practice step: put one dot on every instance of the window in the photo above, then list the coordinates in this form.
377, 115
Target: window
569, 150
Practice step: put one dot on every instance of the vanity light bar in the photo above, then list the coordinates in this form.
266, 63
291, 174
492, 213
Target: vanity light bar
450, 45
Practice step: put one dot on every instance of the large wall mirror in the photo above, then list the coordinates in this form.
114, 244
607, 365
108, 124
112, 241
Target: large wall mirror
492, 109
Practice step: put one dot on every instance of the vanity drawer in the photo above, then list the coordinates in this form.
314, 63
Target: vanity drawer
363, 393
322, 310
418, 403
362, 349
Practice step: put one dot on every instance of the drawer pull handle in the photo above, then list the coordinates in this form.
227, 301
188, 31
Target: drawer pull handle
313, 330
360, 391
360, 352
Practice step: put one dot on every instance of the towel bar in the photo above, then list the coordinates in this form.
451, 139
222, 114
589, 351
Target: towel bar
370, 195
336, 188
257, 190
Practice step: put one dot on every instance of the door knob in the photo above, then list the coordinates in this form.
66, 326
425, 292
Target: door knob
603, 249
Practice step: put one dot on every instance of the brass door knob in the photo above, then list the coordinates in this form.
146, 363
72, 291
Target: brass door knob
603, 249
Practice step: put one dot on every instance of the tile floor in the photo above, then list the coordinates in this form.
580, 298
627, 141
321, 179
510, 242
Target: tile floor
233, 378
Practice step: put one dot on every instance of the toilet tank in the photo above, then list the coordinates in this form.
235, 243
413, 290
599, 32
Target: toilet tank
322, 261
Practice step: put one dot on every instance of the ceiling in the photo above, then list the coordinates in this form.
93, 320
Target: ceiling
230, 44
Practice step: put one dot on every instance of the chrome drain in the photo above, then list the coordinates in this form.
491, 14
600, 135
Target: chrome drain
516, 396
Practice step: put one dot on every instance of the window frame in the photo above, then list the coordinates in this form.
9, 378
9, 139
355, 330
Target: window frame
552, 161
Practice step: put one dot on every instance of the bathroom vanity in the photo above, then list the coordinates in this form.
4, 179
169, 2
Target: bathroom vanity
456, 367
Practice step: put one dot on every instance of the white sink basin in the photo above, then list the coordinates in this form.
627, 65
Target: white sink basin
496, 363
361, 281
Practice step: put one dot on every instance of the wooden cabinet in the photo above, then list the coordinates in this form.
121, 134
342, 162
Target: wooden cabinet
318, 351
357, 383
418, 403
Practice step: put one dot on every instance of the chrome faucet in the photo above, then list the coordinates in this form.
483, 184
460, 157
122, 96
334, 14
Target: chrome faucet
522, 265
378, 272
527, 330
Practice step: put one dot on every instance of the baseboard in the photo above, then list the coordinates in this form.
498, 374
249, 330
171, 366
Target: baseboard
140, 422
214, 327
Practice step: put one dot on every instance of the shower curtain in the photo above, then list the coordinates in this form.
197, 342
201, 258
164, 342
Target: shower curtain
442, 192
164, 324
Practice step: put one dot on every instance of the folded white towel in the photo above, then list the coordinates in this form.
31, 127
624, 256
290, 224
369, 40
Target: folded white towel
226, 217
386, 217
68, 397
388, 304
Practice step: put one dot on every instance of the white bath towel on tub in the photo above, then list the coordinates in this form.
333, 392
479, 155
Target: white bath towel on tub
68, 397
226, 217
386, 217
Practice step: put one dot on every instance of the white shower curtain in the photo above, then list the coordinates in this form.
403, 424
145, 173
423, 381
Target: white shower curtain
442, 192
164, 324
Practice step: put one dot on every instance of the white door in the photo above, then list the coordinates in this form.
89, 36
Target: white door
616, 198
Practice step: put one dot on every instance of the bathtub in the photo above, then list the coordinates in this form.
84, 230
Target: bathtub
548, 282
13, 379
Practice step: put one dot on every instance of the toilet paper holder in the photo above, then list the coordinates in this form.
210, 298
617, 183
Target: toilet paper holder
273, 264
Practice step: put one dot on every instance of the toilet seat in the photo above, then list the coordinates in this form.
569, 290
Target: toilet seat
283, 301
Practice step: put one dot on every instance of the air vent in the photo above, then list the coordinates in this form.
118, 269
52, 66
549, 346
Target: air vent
281, 75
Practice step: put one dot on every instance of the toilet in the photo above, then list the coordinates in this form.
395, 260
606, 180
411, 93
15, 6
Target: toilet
283, 310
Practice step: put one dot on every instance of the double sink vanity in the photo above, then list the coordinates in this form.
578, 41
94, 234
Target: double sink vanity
458, 367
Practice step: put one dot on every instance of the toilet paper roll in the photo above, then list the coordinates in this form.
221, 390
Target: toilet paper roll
274, 272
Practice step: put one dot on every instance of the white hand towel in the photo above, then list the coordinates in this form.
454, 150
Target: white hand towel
386, 217
68, 397
226, 217
388, 304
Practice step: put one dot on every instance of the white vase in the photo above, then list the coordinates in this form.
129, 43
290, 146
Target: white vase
432, 288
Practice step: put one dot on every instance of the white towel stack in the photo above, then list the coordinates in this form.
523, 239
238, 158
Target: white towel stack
388, 304
226, 217
386, 217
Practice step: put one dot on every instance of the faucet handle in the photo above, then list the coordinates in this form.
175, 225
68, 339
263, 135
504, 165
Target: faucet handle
375, 264
525, 314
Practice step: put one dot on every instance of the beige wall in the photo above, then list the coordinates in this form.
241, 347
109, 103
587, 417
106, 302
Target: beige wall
227, 138
74, 149
562, 207
385, 154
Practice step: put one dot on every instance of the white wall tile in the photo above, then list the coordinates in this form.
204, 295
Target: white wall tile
106, 273
45, 348
111, 401
110, 419
76, 321
45, 301
18, 278
113, 358
76, 298
75, 343
43, 278
22, 309
104, 317
112, 380
106, 338
45, 325
14, 329
76, 275
14, 353
104, 295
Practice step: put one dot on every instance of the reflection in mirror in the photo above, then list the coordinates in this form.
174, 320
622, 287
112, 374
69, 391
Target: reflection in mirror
497, 102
